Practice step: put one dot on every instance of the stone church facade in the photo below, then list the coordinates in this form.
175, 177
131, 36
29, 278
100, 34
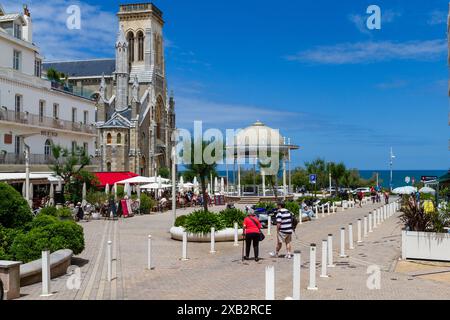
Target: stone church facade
135, 114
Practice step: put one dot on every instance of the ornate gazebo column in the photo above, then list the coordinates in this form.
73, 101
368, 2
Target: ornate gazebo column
263, 176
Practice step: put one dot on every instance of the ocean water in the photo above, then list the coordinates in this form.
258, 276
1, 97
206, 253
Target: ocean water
398, 176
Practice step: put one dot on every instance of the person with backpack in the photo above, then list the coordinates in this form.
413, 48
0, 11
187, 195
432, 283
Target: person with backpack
285, 228
252, 231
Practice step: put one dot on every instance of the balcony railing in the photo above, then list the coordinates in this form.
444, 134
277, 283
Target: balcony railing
34, 159
46, 122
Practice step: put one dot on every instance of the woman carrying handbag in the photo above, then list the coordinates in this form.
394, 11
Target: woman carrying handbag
252, 230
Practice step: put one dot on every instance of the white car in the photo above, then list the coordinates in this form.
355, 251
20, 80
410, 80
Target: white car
363, 190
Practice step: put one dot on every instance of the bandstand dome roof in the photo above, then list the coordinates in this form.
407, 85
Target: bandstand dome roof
259, 134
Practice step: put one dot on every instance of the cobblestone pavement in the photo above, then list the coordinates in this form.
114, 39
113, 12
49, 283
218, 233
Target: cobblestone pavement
223, 276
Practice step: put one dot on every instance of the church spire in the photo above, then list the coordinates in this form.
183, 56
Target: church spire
121, 72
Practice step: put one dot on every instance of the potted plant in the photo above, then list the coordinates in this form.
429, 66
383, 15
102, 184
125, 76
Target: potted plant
425, 236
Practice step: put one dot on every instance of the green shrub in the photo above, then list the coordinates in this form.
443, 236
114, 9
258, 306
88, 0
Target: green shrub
14, 210
230, 216
49, 211
42, 220
147, 203
7, 237
64, 213
293, 207
53, 236
266, 205
201, 222
96, 197
120, 191
180, 221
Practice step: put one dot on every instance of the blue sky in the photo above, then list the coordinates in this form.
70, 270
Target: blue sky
310, 68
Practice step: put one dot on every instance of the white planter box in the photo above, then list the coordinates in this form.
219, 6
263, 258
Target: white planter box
219, 236
425, 245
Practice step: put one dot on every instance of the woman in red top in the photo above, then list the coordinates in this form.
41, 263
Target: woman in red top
252, 228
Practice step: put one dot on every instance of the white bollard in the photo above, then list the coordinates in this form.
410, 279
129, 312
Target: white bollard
270, 283
330, 251
343, 205
149, 253
269, 225
324, 259
296, 276
350, 236
359, 240
342, 254
184, 253
109, 255
236, 234
365, 227
323, 211
382, 214
312, 267
334, 208
213, 240
374, 219
370, 222
46, 291
385, 212
300, 216
328, 209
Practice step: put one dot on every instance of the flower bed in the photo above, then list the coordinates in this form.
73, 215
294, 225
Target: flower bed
226, 235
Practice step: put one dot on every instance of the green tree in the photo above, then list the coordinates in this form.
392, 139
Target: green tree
337, 171
204, 168
164, 172
318, 167
300, 178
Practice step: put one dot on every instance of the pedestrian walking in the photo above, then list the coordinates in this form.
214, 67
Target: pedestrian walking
285, 228
252, 231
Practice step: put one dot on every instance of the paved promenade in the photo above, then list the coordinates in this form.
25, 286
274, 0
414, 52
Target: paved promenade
223, 276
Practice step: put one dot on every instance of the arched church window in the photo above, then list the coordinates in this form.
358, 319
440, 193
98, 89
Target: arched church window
130, 38
109, 138
140, 37
126, 138
119, 138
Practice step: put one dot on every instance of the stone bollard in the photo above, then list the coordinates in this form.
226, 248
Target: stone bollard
350, 236
184, 253
10, 276
365, 227
270, 283
213, 240
324, 274
269, 224
46, 274
342, 253
312, 267
330, 251
296, 276
370, 223
359, 240
236, 235
109, 257
149, 253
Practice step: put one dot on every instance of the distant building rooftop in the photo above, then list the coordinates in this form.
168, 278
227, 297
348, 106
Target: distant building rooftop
83, 68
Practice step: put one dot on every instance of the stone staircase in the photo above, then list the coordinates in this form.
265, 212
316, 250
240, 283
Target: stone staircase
249, 200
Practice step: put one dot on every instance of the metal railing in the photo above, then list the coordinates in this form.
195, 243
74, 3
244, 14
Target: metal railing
27, 118
35, 159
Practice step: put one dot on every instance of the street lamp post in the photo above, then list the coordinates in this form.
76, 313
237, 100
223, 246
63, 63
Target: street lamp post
392, 157
174, 181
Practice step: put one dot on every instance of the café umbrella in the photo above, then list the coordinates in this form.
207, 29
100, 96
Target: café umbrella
427, 190
107, 188
404, 190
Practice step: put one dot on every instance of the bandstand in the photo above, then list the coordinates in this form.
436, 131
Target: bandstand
256, 145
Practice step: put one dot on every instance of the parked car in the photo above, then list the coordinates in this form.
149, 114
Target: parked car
263, 216
363, 190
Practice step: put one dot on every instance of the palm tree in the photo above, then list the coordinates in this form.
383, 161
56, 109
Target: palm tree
204, 169
337, 172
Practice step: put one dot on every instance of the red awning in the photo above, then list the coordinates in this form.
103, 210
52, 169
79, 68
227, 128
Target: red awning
112, 177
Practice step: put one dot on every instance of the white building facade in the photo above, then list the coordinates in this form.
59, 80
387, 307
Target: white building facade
33, 110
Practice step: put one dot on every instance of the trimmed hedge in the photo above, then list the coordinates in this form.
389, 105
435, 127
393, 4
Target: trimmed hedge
201, 222
14, 210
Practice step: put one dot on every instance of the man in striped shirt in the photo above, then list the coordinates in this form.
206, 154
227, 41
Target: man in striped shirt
284, 230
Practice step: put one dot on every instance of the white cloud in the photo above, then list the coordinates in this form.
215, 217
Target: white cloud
437, 17
395, 84
95, 39
371, 52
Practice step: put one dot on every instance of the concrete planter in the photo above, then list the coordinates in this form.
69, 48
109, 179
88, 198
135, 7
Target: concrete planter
219, 236
425, 245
